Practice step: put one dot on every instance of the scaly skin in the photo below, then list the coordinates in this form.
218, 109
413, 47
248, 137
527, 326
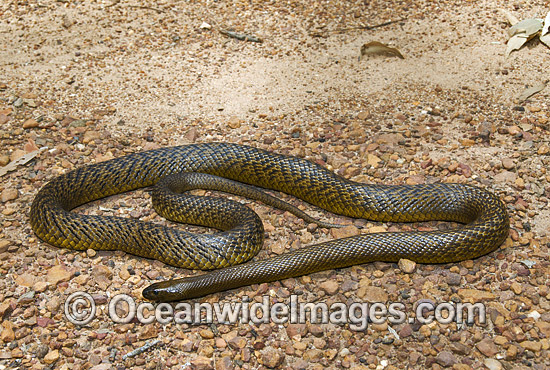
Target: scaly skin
484, 215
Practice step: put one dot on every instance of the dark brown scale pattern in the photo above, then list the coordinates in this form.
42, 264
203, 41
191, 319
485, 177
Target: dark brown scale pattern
484, 215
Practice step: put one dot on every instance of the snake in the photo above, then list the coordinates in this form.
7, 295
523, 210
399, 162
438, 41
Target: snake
481, 217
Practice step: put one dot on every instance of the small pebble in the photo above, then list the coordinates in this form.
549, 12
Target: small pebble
446, 359
30, 123
407, 266
492, 364
508, 163
51, 357
9, 194
487, 347
329, 286
453, 279
271, 358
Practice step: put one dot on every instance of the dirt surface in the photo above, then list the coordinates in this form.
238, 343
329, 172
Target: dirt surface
93, 80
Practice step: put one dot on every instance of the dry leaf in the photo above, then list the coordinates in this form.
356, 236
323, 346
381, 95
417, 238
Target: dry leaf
205, 26
377, 48
525, 30
546, 25
19, 161
531, 91
509, 17
30, 146
527, 27
515, 43
522, 32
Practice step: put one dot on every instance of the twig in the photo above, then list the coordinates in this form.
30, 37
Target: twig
146, 7
322, 33
117, 2
20, 161
393, 332
141, 349
240, 36
527, 93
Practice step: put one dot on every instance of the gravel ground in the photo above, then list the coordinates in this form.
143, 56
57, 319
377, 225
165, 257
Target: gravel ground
96, 80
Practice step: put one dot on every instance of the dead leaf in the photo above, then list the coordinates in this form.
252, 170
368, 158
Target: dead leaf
525, 30
515, 43
546, 25
509, 17
30, 146
377, 48
527, 93
19, 161
527, 27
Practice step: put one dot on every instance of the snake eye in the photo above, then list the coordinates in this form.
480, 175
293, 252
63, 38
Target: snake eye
151, 293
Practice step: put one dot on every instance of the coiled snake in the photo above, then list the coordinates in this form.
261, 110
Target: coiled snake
484, 215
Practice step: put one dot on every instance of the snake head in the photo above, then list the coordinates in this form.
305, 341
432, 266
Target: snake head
164, 291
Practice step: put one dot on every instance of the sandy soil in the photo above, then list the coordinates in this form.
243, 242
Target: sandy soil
93, 80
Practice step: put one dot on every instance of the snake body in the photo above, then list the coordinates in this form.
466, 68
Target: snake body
486, 223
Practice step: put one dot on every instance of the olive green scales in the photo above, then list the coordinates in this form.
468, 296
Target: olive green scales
486, 222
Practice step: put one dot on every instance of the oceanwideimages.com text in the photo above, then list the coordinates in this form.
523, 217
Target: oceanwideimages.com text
81, 309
